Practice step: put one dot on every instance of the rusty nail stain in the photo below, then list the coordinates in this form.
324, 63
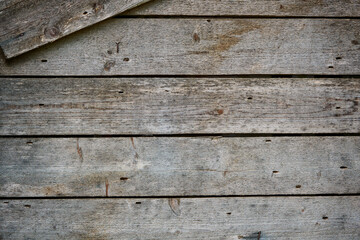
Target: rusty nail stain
132, 142
220, 111
196, 37
259, 235
225, 172
107, 187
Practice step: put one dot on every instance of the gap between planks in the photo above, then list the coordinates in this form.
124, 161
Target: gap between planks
240, 76
185, 196
199, 135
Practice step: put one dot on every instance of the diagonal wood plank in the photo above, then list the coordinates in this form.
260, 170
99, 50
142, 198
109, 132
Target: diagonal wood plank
187, 46
309, 8
28, 24
313, 218
170, 166
76, 106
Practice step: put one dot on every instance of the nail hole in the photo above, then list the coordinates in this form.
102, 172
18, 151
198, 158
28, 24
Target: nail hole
338, 107
124, 178
6, 202
27, 206
126, 59
331, 66
121, 92
138, 203
338, 58
298, 186
109, 52
343, 167
41, 104
85, 12
275, 171
208, 20
268, 140
29, 142
325, 218
229, 213
249, 98
43, 60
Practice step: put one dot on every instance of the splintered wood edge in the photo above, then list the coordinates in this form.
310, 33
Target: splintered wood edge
19, 40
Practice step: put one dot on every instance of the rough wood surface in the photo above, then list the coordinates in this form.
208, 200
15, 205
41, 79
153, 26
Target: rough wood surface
199, 47
78, 106
209, 218
178, 166
28, 24
312, 8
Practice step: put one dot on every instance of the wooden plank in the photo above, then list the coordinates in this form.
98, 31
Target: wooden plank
309, 8
179, 166
189, 218
200, 47
88, 106
28, 24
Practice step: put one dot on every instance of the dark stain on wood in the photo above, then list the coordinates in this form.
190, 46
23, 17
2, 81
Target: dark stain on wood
231, 38
196, 37
174, 204
79, 151
106, 187
108, 65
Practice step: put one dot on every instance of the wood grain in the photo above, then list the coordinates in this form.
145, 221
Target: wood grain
191, 218
91, 106
309, 8
28, 24
187, 46
178, 166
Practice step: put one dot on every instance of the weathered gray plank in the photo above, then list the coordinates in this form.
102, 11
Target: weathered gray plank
200, 47
71, 106
28, 24
179, 166
313, 8
208, 218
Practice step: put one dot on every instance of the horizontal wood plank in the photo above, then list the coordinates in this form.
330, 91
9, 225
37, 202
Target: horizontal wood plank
183, 46
179, 166
28, 24
88, 106
208, 218
309, 8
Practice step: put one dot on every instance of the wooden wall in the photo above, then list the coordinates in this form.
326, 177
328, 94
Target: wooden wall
187, 119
